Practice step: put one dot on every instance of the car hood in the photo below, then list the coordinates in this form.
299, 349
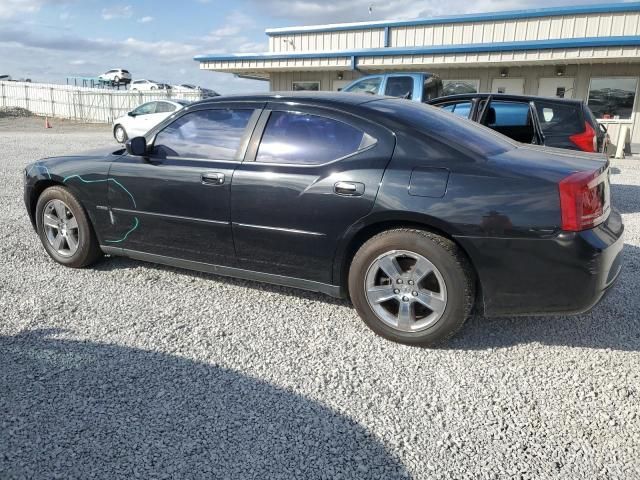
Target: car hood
95, 153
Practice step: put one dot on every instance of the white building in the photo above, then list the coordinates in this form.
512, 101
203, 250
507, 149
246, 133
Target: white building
587, 52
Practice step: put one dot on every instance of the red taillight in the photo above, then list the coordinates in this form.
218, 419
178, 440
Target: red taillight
584, 200
587, 140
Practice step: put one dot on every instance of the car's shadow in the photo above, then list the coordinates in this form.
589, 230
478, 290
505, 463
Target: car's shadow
78, 409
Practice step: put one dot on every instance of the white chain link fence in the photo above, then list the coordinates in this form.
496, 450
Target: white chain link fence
80, 103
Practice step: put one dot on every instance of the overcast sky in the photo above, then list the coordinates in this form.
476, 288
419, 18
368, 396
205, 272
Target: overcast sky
48, 40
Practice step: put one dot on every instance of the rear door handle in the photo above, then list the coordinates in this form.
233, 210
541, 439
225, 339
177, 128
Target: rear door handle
213, 178
349, 189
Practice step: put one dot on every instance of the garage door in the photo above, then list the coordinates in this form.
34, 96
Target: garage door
513, 86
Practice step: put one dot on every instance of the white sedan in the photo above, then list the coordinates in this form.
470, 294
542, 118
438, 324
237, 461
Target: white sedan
144, 85
143, 118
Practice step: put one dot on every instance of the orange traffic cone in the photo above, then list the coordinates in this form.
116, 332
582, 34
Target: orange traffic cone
46, 122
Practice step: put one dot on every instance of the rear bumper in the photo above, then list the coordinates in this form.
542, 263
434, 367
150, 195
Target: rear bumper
567, 274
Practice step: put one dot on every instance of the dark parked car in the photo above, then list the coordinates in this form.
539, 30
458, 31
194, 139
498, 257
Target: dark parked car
415, 214
553, 122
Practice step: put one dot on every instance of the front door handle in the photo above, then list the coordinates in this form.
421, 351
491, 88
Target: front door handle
213, 178
349, 189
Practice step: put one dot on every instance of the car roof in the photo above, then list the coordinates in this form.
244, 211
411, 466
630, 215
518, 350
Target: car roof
503, 96
343, 98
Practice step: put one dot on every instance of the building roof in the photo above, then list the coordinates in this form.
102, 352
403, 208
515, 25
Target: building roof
472, 17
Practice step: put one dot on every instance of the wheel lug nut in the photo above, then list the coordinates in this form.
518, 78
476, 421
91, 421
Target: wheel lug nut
405, 299
415, 294
399, 280
410, 282
396, 291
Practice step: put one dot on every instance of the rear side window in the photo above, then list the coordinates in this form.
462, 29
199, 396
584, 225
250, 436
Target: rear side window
461, 109
507, 114
559, 118
448, 129
298, 138
367, 85
400, 87
212, 134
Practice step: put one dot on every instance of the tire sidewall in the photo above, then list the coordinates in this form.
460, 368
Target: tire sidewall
124, 133
453, 275
87, 244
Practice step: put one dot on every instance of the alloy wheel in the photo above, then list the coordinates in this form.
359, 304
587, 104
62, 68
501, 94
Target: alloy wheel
119, 134
405, 290
61, 228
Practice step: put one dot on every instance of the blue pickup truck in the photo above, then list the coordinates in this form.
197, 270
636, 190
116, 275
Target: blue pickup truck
416, 86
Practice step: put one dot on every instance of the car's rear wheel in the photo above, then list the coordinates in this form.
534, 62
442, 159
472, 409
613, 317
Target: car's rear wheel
120, 134
412, 286
65, 230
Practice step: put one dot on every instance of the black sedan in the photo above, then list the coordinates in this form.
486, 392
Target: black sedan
418, 216
553, 122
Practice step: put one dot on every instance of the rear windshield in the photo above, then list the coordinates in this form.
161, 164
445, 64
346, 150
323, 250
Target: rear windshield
559, 118
450, 129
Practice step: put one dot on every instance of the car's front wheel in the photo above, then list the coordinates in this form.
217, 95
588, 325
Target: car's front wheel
65, 230
412, 286
120, 134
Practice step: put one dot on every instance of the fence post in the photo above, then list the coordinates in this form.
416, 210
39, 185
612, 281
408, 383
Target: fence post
4, 96
26, 97
53, 109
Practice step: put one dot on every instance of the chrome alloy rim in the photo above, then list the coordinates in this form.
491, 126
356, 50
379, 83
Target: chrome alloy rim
61, 228
119, 134
405, 290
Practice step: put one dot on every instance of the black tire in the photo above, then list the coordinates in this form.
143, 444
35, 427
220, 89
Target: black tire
116, 80
452, 265
125, 137
88, 250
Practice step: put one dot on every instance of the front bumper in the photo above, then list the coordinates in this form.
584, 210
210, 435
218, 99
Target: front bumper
569, 273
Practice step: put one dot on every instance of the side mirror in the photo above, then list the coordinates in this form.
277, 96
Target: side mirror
131, 114
137, 146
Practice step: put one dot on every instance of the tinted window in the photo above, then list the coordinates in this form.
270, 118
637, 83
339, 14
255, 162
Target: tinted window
367, 85
612, 98
449, 129
164, 107
453, 87
461, 109
146, 108
559, 118
399, 87
432, 88
512, 114
214, 134
306, 139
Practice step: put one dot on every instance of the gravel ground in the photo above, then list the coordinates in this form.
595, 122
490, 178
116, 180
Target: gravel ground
134, 370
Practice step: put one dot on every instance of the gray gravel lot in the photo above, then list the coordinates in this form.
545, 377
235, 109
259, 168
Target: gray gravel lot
134, 370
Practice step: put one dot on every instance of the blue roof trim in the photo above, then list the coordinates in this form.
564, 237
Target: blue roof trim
473, 17
589, 42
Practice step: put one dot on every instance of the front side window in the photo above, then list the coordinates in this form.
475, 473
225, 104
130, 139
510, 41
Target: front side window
306, 86
298, 138
212, 134
367, 85
612, 98
164, 107
401, 87
559, 118
146, 108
